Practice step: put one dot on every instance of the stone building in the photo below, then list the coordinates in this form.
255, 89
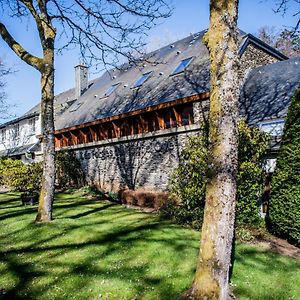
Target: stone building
128, 126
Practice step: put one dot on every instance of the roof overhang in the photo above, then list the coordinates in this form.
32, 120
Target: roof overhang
189, 99
14, 121
251, 39
31, 148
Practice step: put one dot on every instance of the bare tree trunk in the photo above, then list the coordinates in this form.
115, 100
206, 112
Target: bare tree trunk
47, 190
46, 198
211, 279
45, 66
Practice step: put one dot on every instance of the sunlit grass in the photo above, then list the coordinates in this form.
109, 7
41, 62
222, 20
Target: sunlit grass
101, 250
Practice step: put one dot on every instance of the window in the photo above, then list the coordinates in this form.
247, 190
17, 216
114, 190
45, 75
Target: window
187, 115
111, 90
16, 131
32, 126
3, 135
75, 106
182, 65
169, 119
142, 79
274, 128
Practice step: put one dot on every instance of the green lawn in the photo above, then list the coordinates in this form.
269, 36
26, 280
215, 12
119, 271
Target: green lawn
100, 250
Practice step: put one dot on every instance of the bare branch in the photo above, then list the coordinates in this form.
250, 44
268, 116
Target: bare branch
4, 106
286, 41
30, 59
103, 30
283, 6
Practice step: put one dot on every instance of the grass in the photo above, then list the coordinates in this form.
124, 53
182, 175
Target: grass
101, 250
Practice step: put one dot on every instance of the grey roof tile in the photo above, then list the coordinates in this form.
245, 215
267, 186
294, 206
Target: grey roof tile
268, 90
159, 88
269, 84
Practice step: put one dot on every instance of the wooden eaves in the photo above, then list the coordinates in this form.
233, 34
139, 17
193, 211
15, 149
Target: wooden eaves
189, 99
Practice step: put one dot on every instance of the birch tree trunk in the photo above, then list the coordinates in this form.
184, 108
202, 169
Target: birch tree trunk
212, 274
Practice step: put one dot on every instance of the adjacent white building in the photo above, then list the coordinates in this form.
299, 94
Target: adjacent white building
19, 138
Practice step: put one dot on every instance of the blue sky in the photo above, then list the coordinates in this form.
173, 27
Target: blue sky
23, 88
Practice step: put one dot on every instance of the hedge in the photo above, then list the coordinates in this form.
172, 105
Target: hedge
284, 209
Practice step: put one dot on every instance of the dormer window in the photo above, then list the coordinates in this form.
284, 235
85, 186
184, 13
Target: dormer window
142, 79
75, 106
111, 90
182, 66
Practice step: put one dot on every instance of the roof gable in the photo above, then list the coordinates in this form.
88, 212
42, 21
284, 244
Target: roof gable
251, 39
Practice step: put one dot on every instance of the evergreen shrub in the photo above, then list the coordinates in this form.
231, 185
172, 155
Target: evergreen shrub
187, 184
284, 209
188, 181
68, 170
20, 177
27, 177
253, 144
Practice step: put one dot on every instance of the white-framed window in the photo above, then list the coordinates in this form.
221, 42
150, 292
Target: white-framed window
111, 89
16, 130
272, 127
75, 106
3, 135
32, 125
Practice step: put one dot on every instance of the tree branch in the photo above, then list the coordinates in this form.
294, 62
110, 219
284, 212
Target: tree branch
30, 59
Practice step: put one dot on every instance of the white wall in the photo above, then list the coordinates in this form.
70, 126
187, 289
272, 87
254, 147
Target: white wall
27, 134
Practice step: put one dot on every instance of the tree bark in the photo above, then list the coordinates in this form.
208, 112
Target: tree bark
212, 274
47, 124
45, 66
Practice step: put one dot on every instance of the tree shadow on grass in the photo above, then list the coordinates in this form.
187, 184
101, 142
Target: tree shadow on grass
16, 209
19, 212
9, 201
120, 266
264, 275
106, 259
92, 211
10, 206
115, 252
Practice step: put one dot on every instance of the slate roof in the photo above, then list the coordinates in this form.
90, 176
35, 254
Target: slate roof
65, 98
159, 88
24, 117
268, 90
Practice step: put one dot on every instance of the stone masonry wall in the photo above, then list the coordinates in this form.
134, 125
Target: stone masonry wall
141, 162
254, 57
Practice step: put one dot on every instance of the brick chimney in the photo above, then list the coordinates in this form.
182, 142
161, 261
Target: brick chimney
81, 80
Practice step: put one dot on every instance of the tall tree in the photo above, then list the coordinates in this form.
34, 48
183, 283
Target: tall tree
103, 30
211, 279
